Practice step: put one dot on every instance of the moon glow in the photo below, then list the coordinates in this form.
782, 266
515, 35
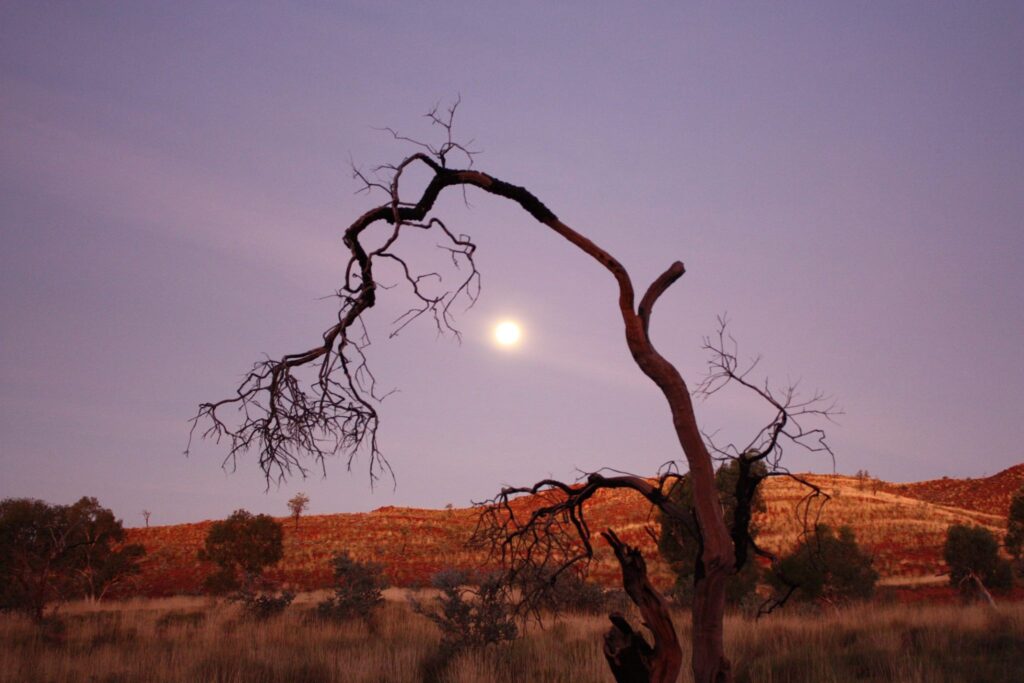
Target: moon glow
508, 333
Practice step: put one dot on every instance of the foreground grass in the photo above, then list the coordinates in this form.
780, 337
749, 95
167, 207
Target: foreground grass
186, 639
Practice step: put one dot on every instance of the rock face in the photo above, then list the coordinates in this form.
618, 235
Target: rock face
902, 525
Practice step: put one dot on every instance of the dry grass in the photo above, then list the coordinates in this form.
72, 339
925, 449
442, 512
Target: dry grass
192, 639
912, 644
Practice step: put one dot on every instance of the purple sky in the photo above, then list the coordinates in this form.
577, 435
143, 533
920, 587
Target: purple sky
847, 183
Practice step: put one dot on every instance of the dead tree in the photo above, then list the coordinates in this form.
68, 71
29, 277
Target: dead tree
629, 656
286, 416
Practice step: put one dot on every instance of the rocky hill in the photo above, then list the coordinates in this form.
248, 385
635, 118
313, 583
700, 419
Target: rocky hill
902, 525
988, 494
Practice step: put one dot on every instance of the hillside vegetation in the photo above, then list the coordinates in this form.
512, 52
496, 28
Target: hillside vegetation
902, 525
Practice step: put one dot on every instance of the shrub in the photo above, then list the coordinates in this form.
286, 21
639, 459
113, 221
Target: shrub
827, 567
358, 589
470, 618
972, 551
264, 605
572, 593
567, 591
241, 546
1015, 530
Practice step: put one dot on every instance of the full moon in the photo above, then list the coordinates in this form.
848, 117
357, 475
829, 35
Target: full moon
508, 333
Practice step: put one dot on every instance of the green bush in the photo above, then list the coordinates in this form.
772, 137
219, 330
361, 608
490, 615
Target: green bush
827, 567
241, 546
470, 617
972, 551
358, 589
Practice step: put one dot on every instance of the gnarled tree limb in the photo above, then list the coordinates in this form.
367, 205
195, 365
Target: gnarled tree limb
630, 657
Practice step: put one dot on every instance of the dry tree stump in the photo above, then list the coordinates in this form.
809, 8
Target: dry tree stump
631, 658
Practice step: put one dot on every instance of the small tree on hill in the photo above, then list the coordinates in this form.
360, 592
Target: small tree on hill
145, 515
826, 567
1015, 530
241, 546
972, 554
357, 587
298, 505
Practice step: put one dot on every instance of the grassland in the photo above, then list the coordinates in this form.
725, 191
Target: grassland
192, 639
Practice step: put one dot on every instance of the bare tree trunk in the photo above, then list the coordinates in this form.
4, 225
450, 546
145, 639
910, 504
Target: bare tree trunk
709, 661
717, 560
980, 589
629, 656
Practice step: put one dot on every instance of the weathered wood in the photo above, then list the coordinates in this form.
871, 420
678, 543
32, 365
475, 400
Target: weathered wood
630, 657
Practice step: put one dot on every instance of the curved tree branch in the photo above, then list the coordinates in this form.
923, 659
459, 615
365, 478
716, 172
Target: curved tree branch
322, 401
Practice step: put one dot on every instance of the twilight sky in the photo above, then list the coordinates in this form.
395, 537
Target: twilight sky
846, 182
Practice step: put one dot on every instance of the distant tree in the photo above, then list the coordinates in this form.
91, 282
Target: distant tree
36, 555
102, 559
52, 553
972, 554
358, 589
241, 546
1015, 530
826, 567
298, 505
145, 515
679, 542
